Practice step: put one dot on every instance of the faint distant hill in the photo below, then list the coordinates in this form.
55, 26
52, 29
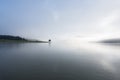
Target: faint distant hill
111, 41
10, 38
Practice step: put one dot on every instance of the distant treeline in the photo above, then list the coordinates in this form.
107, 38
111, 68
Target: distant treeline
111, 41
9, 37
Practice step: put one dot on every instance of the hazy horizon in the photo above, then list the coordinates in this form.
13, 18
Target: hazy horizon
44, 19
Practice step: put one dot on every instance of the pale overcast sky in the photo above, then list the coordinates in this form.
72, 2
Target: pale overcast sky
45, 19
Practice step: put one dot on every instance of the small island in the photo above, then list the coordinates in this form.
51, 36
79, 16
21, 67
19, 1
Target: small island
9, 38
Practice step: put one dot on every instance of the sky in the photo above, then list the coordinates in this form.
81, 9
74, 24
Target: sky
60, 19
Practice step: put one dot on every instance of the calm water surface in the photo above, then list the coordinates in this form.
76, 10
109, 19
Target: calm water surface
62, 60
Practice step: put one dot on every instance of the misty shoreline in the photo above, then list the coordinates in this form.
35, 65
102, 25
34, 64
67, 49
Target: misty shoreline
10, 38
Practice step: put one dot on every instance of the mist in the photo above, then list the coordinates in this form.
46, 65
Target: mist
43, 19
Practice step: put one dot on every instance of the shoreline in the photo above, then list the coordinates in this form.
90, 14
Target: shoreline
22, 41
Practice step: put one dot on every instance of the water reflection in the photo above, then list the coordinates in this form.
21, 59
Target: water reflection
10, 45
49, 44
63, 61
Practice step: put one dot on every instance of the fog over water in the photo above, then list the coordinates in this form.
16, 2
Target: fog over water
61, 60
74, 27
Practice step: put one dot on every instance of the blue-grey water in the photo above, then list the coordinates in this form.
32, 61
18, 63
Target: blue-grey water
63, 60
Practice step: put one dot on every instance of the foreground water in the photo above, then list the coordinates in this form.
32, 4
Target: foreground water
59, 61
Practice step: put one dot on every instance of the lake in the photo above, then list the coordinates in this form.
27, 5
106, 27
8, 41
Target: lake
60, 60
